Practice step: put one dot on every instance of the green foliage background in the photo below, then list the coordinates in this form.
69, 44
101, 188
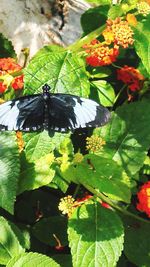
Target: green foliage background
32, 182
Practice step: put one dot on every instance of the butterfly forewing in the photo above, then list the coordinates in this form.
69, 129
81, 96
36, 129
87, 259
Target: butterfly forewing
24, 114
67, 112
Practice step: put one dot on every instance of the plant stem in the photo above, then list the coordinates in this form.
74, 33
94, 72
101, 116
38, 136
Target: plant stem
112, 204
117, 96
78, 44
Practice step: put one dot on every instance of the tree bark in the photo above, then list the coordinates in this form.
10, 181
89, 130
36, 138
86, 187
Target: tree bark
35, 23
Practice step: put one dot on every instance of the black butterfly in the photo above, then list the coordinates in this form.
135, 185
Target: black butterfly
47, 111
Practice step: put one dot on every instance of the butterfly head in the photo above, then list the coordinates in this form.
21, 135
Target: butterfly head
46, 88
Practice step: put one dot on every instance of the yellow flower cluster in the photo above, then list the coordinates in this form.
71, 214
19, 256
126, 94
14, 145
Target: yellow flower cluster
94, 143
143, 8
119, 32
67, 205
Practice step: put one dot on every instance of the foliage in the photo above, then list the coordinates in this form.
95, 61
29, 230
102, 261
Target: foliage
72, 199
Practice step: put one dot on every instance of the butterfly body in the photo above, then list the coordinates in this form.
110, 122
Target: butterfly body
52, 112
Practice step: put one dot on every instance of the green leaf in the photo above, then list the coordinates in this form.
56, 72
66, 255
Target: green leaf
22, 235
36, 165
62, 70
100, 16
115, 11
9, 244
137, 245
146, 166
38, 146
127, 136
10, 168
59, 181
45, 229
36, 174
142, 43
95, 236
105, 92
32, 259
102, 174
6, 47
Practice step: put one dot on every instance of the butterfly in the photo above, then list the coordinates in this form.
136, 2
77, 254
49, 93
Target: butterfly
52, 112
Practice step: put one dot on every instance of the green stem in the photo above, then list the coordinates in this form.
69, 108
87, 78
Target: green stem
112, 204
78, 44
121, 90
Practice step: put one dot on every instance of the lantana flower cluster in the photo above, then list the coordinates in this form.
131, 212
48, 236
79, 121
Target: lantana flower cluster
8, 67
144, 199
94, 143
143, 8
131, 76
118, 33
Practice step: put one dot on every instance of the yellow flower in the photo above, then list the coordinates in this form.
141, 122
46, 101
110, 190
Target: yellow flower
143, 8
108, 36
94, 143
67, 205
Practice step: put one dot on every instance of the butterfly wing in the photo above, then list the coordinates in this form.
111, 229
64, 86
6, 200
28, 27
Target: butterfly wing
68, 112
24, 114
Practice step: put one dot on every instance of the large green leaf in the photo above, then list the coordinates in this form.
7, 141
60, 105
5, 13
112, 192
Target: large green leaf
62, 70
45, 229
9, 244
95, 236
127, 136
142, 42
137, 245
32, 259
103, 174
9, 168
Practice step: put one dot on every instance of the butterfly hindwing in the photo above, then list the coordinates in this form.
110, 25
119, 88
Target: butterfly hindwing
68, 112
24, 114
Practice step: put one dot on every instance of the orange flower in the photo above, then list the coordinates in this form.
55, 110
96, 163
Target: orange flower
3, 88
20, 141
123, 34
131, 76
17, 83
144, 199
102, 55
9, 65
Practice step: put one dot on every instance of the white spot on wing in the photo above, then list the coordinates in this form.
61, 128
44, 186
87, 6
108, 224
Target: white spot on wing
84, 112
9, 115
